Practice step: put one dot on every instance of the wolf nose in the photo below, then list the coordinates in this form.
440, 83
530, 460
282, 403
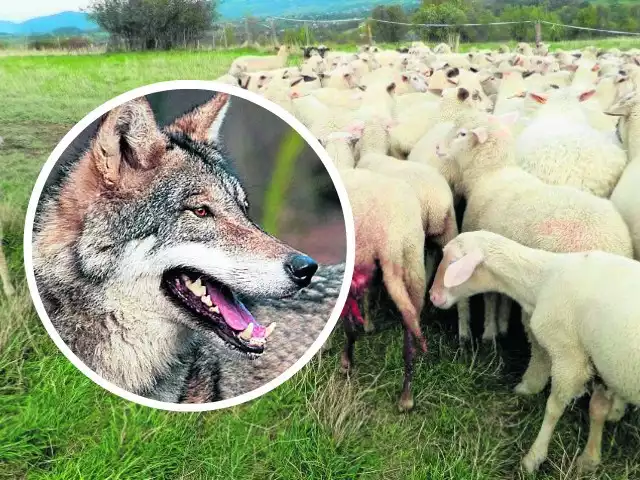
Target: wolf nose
301, 268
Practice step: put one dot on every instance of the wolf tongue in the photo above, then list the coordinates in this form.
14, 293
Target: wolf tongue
235, 314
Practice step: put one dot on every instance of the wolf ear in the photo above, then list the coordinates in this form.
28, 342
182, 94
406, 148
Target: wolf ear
128, 137
203, 123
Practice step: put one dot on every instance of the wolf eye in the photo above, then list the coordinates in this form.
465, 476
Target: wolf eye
200, 212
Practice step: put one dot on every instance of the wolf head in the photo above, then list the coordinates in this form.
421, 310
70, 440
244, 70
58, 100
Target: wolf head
161, 214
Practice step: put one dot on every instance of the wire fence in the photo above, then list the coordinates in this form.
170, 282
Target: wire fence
276, 30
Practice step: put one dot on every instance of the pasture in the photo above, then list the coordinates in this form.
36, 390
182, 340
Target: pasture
55, 423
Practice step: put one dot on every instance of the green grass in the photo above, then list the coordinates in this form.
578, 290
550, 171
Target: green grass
55, 423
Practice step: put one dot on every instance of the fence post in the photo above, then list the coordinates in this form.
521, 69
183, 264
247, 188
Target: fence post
224, 34
213, 39
369, 32
538, 34
248, 40
273, 32
306, 32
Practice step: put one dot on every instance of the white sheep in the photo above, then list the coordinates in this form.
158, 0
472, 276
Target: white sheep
248, 64
433, 192
505, 199
389, 233
560, 146
625, 195
584, 325
454, 103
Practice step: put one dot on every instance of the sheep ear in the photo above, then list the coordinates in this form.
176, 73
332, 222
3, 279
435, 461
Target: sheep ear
391, 88
509, 119
296, 81
308, 78
595, 68
584, 96
461, 270
541, 98
463, 94
203, 123
571, 68
481, 134
617, 109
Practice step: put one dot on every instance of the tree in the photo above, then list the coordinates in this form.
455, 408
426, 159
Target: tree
388, 32
153, 24
450, 13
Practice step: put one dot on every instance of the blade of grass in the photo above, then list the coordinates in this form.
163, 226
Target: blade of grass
290, 149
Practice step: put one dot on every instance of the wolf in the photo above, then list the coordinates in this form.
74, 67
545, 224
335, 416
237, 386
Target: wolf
153, 273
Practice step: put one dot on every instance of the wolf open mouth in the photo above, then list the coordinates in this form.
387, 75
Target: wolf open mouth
216, 306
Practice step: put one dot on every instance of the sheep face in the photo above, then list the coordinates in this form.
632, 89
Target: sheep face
460, 274
459, 142
415, 81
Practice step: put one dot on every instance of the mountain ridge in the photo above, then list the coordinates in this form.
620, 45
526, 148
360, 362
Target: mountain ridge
228, 9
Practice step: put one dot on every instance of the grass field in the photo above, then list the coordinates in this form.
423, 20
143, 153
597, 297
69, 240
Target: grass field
55, 423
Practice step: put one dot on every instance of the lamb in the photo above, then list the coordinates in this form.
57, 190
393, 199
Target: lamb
510, 94
625, 196
412, 126
583, 325
342, 77
505, 199
339, 98
4, 269
524, 49
442, 49
397, 245
433, 192
248, 64
424, 153
339, 147
560, 147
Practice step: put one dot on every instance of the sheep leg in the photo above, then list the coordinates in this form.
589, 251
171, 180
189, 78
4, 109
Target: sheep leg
366, 307
430, 263
398, 292
570, 374
539, 369
346, 360
599, 408
4, 275
464, 323
504, 312
618, 408
490, 314
406, 398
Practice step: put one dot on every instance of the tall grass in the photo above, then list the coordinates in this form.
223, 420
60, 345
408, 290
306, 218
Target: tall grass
57, 424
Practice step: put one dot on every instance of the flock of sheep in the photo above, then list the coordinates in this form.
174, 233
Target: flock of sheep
542, 148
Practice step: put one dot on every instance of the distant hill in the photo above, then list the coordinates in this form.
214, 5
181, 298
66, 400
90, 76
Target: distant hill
234, 9
77, 21
229, 9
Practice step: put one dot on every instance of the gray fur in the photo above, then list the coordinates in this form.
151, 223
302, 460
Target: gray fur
102, 289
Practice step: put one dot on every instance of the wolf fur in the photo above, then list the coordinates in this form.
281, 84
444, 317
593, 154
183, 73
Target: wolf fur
123, 218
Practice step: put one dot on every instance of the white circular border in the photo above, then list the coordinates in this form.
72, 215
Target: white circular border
234, 92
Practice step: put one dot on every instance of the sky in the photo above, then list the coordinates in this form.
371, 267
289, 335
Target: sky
19, 10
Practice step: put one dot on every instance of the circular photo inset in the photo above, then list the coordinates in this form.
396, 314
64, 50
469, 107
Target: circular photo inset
189, 245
